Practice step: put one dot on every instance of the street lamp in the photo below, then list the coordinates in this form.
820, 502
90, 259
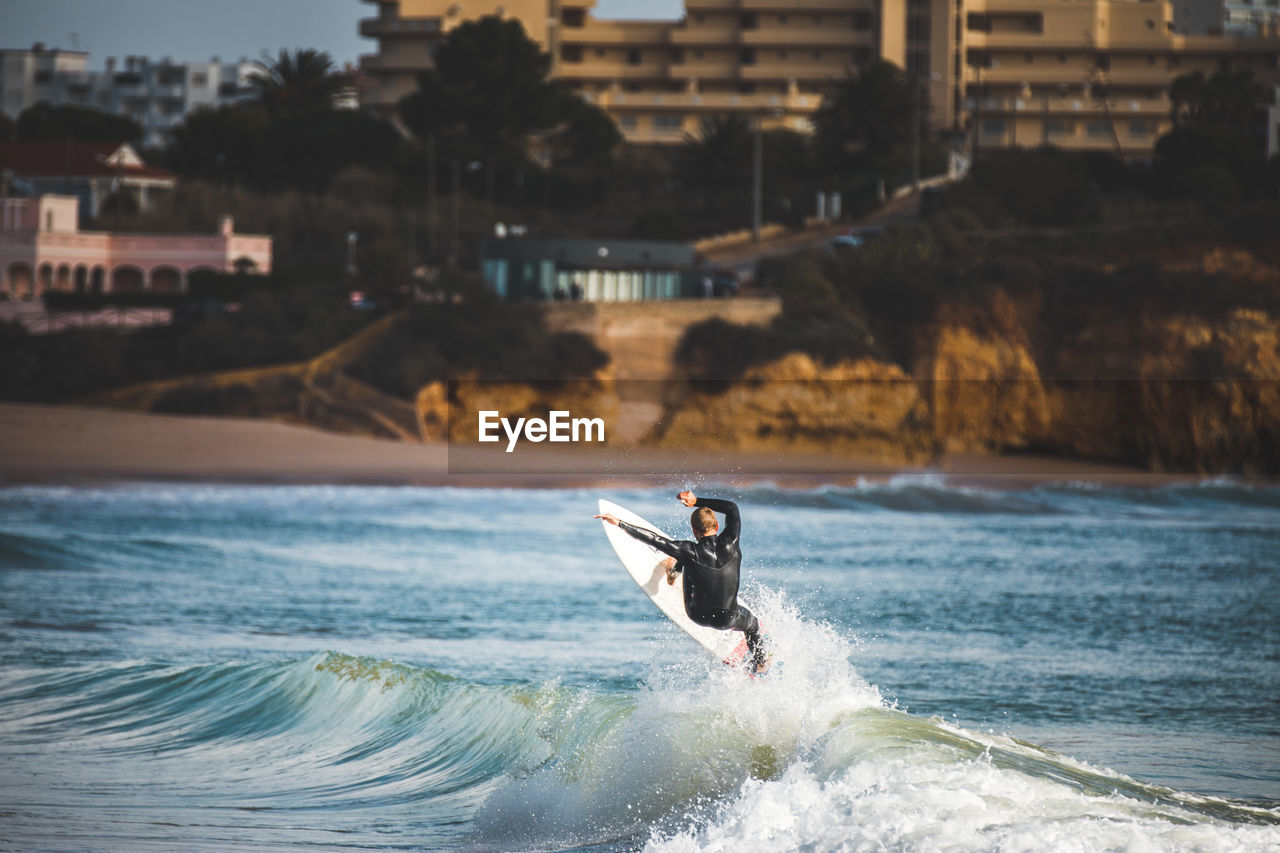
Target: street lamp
473, 166
757, 173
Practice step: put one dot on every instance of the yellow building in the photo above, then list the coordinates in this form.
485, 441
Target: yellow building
1084, 74
1080, 74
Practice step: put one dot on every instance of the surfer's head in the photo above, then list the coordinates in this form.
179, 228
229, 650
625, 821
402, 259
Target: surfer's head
704, 522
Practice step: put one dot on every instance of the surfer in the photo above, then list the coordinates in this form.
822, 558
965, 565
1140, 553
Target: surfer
711, 566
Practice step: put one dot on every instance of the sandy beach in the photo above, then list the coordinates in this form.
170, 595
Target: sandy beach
65, 444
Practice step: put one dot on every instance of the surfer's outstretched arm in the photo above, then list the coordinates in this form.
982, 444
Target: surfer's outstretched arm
670, 547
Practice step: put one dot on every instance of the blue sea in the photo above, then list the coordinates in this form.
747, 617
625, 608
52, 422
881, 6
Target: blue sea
218, 667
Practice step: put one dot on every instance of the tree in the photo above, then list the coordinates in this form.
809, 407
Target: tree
586, 137
865, 116
45, 123
719, 155
221, 144
486, 94
295, 83
1228, 98
1215, 149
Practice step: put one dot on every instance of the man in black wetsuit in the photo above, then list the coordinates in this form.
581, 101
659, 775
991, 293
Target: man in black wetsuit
711, 566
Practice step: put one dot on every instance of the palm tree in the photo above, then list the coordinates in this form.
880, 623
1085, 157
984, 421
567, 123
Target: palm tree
298, 82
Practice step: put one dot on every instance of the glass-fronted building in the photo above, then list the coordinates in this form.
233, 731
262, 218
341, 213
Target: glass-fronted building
590, 270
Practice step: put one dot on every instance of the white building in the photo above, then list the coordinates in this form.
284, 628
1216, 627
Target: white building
157, 95
1253, 17
27, 76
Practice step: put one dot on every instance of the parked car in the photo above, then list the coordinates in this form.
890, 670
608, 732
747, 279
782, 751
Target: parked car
724, 282
856, 237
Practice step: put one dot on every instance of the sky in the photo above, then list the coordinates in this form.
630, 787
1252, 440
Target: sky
197, 30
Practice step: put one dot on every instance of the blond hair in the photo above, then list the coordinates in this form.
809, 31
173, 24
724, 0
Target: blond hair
703, 521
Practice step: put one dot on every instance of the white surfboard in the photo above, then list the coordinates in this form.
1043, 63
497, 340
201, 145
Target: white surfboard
644, 564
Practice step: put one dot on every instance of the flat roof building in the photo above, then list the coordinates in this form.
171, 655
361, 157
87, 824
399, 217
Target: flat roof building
589, 270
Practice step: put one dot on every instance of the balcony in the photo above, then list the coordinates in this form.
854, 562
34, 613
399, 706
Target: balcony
632, 34
716, 102
805, 7
603, 70
783, 69
1069, 74
798, 38
1070, 106
377, 63
705, 36
393, 27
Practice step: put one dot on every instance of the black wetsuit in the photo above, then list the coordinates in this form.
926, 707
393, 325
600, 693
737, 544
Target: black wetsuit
711, 567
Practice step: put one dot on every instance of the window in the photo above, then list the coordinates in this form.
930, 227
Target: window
1102, 62
667, 122
1055, 127
782, 19
571, 52
628, 122
748, 56
573, 17
1139, 128
862, 21
634, 57
749, 21
978, 22
677, 55
1097, 129
994, 127
199, 79
43, 76
782, 54
861, 56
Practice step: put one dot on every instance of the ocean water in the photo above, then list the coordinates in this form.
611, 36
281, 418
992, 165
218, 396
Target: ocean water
208, 667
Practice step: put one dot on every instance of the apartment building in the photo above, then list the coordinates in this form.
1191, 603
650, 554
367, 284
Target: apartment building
1079, 74
27, 76
1086, 74
1252, 17
157, 95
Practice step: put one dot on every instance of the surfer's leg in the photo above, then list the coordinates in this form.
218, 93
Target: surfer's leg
745, 621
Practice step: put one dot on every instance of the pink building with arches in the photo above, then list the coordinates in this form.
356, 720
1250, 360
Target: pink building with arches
42, 248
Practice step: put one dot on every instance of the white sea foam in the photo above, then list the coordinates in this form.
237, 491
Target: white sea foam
811, 758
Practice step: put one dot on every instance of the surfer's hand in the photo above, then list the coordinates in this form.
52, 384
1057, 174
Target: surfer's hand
609, 517
670, 565
687, 498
